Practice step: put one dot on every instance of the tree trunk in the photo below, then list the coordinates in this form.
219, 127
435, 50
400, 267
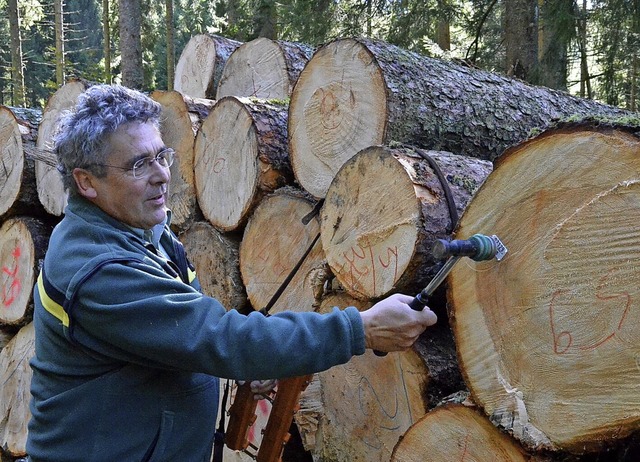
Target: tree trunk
180, 121
15, 393
50, 189
385, 209
215, 257
521, 39
547, 338
23, 242
456, 432
58, 8
268, 257
355, 93
240, 155
356, 412
263, 68
17, 71
106, 43
130, 20
18, 193
171, 58
556, 26
200, 65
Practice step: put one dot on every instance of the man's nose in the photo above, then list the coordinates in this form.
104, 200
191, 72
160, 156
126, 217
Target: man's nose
159, 173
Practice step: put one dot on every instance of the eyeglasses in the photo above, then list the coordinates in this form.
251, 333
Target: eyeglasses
143, 167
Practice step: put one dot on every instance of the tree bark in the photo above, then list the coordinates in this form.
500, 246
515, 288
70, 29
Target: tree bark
16, 393
215, 257
240, 155
180, 121
547, 338
268, 257
17, 71
50, 189
200, 65
456, 432
356, 412
263, 68
23, 242
385, 209
355, 93
129, 24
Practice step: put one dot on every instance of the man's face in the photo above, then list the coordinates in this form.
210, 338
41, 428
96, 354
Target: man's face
137, 202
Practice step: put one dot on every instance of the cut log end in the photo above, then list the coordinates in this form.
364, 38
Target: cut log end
12, 160
338, 107
257, 69
549, 335
267, 258
456, 432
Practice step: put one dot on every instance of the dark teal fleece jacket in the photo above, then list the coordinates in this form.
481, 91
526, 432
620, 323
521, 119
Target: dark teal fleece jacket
128, 350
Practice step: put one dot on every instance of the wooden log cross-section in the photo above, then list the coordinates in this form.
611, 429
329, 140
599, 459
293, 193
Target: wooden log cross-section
200, 65
23, 242
240, 156
385, 209
357, 411
455, 432
263, 68
354, 93
275, 240
18, 193
548, 339
215, 257
180, 120
15, 394
50, 188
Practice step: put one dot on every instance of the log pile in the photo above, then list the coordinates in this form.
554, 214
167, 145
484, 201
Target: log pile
335, 199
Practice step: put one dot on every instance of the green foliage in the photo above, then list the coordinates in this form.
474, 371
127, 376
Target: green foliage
476, 35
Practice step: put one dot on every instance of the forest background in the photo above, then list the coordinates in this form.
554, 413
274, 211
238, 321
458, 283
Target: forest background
589, 48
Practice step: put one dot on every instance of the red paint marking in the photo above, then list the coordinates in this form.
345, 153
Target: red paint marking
10, 294
556, 338
623, 296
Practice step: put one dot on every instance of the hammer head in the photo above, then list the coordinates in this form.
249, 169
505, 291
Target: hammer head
478, 247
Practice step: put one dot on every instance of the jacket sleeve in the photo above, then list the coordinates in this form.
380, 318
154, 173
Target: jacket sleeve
137, 312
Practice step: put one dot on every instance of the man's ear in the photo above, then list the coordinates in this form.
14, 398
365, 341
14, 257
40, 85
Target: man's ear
84, 181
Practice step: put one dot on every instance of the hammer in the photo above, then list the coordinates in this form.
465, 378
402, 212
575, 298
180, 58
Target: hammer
478, 247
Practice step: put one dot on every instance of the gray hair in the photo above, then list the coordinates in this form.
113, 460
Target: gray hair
100, 110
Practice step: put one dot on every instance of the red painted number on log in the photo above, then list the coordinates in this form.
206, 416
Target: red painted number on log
12, 290
563, 340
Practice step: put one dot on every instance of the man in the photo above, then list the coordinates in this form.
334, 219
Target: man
127, 348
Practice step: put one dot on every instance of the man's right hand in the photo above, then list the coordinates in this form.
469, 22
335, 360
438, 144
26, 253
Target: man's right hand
391, 325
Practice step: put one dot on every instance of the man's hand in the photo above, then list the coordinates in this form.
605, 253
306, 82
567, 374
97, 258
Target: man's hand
391, 325
261, 389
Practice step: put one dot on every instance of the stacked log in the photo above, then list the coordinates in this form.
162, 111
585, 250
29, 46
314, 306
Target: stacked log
456, 432
548, 338
180, 121
355, 93
200, 65
268, 259
385, 397
263, 68
15, 393
240, 156
18, 191
384, 210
